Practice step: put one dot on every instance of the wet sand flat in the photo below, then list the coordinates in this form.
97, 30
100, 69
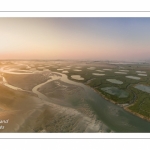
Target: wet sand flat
27, 113
16, 107
74, 109
26, 81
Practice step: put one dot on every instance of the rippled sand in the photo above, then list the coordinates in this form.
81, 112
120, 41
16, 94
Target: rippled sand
27, 113
17, 106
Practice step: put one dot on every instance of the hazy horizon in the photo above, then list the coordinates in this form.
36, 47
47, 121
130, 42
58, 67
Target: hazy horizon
114, 39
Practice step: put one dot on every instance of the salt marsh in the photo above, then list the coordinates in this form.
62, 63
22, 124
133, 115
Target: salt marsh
115, 91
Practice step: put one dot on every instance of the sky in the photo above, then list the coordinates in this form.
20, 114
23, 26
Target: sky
125, 39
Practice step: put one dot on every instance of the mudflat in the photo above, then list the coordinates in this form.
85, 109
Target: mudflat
49, 101
26, 81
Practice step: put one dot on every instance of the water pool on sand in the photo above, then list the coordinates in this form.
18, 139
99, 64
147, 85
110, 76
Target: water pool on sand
142, 75
100, 70
133, 77
121, 72
66, 68
98, 74
65, 72
77, 77
114, 81
91, 68
141, 71
115, 91
77, 70
107, 69
124, 70
143, 88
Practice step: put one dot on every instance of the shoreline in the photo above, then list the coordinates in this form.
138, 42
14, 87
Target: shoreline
136, 114
126, 107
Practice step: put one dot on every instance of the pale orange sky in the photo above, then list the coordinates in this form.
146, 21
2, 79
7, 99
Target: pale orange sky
75, 38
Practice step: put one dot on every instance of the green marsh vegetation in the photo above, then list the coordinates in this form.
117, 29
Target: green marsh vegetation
138, 101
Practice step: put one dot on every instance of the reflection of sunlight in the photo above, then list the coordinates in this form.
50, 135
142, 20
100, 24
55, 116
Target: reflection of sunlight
10, 86
15, 69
